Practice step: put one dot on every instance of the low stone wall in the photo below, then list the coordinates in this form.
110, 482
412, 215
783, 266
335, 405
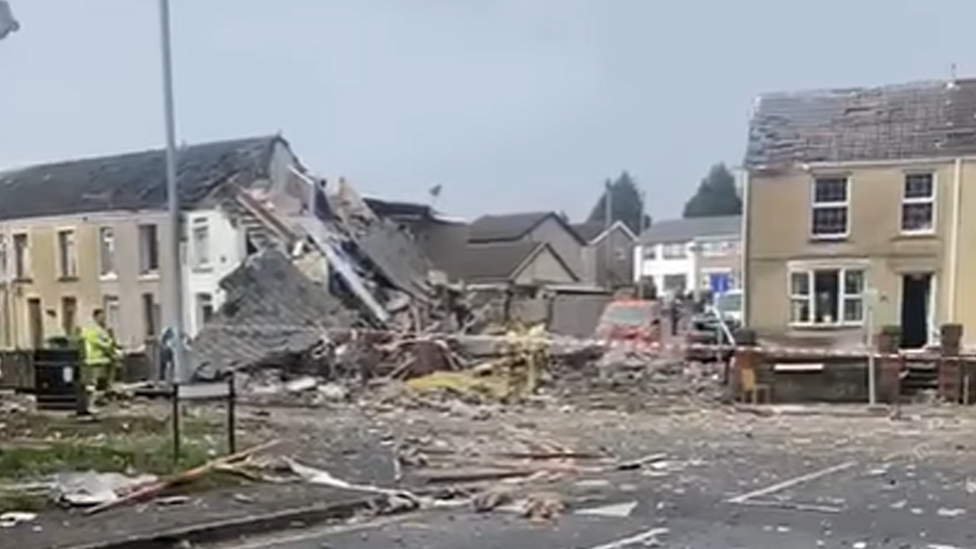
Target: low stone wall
840, 381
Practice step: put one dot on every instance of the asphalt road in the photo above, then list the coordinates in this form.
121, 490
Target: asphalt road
901, 503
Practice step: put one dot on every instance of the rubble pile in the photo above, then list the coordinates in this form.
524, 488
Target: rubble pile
355, 304
632, 379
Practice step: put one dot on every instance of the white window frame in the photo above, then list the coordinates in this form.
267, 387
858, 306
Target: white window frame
201, 254
814, 205
905, 200
665, 248
203, 301
716, 248
106, 253
842, 296
67, 260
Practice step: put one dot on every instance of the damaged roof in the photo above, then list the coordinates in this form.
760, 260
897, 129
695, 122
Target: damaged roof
131, 181
692, 228
399, 210
272, 311
915, 120
497, 261
514, 226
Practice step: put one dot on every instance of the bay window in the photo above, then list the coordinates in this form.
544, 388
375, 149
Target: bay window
827, 297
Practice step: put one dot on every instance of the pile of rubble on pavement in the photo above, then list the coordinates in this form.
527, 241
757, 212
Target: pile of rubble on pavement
356, 304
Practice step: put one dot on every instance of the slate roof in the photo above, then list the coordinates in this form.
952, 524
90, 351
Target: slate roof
272, 312
510, 227
589, 230
399, 210
131, 181
493, 262
687, 230
915, 120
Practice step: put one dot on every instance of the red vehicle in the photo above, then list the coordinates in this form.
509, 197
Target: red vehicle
634, 320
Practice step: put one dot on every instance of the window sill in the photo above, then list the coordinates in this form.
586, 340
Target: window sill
71, 278
930, 233
23, 280
820, 238
808, 326
152, 275
202, 269
108, 277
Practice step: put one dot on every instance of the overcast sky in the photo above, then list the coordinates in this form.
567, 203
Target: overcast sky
509, 104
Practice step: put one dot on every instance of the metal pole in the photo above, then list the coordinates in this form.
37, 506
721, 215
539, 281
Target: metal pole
180, 373
607, 222
639, 260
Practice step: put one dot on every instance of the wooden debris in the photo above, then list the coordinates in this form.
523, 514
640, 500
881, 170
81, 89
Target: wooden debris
491, 499
475, 475
639, 462
543, 455
158, 486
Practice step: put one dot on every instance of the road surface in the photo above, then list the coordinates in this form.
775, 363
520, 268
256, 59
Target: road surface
902, 502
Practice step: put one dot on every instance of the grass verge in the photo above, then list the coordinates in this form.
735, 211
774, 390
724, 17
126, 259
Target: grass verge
34, 446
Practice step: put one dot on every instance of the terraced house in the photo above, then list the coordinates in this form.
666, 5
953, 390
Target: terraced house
93, 233
862, 199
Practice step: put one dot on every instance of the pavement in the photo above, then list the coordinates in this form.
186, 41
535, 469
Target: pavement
873, 484
340, 445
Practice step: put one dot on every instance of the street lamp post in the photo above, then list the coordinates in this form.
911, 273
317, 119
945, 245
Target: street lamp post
180, 373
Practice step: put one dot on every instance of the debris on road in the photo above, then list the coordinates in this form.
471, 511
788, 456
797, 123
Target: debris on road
14, 518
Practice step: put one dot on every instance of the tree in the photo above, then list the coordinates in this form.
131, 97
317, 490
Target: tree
716, 195
626, 204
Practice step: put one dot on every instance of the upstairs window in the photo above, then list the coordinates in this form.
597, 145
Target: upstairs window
148, 249
22, 265
67, 254
106, 252
830, 209
200, 244
918, 203
674, 251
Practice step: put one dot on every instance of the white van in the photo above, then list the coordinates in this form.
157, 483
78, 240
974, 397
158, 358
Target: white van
729, 305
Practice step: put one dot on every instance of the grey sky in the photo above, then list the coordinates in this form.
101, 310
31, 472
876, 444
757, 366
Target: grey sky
509, 104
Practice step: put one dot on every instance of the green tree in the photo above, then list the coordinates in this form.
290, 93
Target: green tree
626, 204
716, 195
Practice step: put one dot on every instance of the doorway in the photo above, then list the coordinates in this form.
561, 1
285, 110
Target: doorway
35, 321
916, 289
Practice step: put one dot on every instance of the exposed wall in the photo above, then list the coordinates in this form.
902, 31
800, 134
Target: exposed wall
226, 251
